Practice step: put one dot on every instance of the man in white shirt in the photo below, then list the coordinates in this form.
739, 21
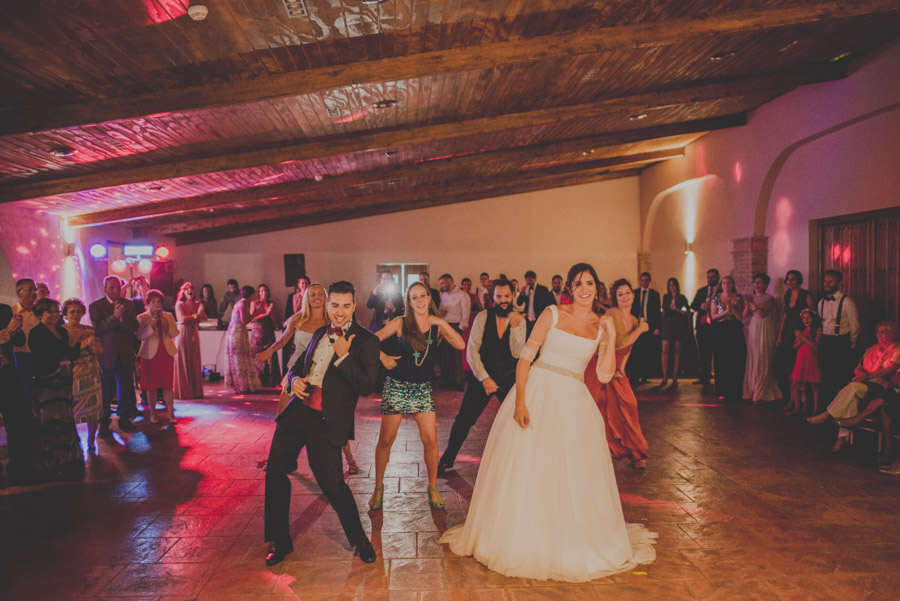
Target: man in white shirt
483, 292
840, 330
455, 308
495, 342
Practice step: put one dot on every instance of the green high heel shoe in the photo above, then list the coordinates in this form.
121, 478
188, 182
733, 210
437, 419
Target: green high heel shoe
435, 499
376, 501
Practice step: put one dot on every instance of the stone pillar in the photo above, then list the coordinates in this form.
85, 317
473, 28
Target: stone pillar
750, 255
643, 264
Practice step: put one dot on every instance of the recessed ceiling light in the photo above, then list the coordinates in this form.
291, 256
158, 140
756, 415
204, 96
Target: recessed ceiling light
62, 151
638, 116
392, 182
389, 153
318, 177
719, 56
585, 153
385, 104
373, 1
197, 12
156, 187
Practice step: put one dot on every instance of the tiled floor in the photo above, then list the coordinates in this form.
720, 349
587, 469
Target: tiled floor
748, 504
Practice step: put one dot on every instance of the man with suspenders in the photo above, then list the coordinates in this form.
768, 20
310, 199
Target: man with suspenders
840, 329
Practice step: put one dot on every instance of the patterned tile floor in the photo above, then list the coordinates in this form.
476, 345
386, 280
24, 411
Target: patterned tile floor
748, 504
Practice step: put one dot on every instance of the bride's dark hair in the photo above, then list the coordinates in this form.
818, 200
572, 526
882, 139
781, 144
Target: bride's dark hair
580, 268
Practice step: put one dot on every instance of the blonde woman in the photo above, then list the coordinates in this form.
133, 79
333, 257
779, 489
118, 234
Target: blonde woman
300, 327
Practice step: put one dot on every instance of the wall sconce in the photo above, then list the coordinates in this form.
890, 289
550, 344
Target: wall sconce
688, 248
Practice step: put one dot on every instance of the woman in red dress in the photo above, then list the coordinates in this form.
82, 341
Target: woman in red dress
188, 369
157, 331
616, 400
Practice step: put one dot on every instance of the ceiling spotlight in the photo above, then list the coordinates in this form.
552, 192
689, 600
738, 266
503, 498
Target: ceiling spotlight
318, 177
389, 153
638, 116
156, 187
373, 1
392, 182
720, 56
385, 104
62, 151
197, 12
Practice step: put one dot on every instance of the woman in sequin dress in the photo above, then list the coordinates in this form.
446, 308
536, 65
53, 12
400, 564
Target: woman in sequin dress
86, 394
241, 373
407, 388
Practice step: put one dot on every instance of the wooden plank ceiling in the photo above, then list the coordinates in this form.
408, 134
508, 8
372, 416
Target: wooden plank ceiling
256, 119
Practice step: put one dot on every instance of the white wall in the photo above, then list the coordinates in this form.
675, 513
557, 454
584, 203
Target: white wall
819, 151
547, 231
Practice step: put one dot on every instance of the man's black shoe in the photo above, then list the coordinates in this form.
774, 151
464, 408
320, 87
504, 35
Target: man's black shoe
444, 465
126, 426
366, 550
277, 552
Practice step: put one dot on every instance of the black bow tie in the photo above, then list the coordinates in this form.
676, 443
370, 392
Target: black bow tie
332, 331
830, 297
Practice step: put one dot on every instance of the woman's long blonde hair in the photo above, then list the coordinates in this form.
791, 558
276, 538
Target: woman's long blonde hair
303, 315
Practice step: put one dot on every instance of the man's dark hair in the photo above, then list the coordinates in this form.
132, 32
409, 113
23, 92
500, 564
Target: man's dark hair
342, 287
446, 275
501, 281
232, 282
485, 273
464, 280
530, 274
713, 270
22, 282
835, 274
646, 273
425, 273
556, 276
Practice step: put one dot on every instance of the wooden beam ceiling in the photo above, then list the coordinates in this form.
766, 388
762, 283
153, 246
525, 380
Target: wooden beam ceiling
456, 181
452, 169
332, 146
437, 62
386, 205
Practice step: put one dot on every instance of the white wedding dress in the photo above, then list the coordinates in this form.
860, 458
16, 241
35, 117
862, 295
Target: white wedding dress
546, 504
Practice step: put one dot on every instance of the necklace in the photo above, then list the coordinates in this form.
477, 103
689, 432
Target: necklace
417, 354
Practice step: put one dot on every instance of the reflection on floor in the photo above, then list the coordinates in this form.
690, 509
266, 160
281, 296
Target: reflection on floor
748, 504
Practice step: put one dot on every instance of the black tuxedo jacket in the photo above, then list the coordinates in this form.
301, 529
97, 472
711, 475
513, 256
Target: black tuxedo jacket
343, 384
699, 299
543, 298
654, 308
6, 316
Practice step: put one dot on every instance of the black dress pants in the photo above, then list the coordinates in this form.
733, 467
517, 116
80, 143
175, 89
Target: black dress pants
472, 406
17, 418
706, 343
835, 365
298, 427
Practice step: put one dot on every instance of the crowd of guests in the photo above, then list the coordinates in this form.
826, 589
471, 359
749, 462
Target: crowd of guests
753, 346
56, 372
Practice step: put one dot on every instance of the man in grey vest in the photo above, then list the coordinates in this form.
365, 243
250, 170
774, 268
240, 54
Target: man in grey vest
496, 339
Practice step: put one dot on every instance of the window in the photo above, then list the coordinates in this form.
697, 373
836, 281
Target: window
404, 273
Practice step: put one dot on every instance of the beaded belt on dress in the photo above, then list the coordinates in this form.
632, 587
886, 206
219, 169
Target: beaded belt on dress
560, 370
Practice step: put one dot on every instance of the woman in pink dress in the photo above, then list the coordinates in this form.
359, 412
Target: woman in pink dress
616, 399
157, 331
188, 369
806, 364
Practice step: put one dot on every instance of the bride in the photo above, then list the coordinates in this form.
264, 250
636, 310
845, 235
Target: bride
546, 504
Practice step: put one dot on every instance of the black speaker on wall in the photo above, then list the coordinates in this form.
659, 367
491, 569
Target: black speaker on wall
294, 267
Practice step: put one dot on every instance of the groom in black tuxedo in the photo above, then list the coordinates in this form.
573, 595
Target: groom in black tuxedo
340, 364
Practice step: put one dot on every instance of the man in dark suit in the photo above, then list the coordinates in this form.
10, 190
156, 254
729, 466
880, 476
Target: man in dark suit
14, 407
533, 299
435, 295
645, 353
115, 323
386, 301
340, 364
705, 335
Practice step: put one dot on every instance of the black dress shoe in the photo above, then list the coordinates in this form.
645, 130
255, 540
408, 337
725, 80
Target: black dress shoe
126, 426
444, 465
365, 549
277, 552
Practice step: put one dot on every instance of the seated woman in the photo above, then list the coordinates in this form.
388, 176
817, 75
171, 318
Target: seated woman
58, 451
887, 405
870, 380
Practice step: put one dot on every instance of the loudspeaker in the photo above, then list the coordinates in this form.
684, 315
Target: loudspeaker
294, 267
162, 277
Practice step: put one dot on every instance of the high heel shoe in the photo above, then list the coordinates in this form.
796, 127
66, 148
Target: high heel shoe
435, 499
376, 501
352, 468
